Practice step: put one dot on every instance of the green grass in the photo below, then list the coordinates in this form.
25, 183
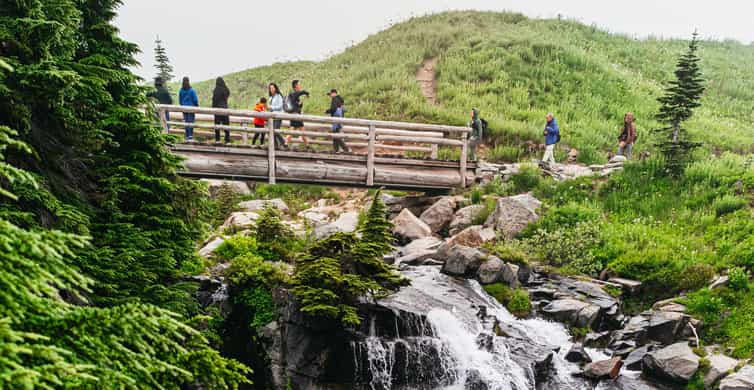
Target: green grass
515, 70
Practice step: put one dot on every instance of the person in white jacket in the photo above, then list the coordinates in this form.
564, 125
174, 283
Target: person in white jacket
275, 103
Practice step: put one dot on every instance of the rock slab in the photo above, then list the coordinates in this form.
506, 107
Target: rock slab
676, 363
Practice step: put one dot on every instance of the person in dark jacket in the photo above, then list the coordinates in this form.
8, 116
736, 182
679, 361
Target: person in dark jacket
187, 97
295, 99
477, 132
220, 100
337, 110
552, 137
161, 94
627, 136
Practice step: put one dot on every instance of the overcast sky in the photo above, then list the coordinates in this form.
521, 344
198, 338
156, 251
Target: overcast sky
205, 39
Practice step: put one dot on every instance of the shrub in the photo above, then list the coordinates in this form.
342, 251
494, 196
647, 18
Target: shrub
705, 304
738, 278
527, 178
728, 204
510, 252
566, 216
499, 291
656, 267
226, 199
519, 304
259, 302
476, 196
505, 153
236, 246
489, 207
251, 270
568, 247
696, 276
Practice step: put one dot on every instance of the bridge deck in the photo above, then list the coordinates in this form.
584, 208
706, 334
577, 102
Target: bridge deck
248, 163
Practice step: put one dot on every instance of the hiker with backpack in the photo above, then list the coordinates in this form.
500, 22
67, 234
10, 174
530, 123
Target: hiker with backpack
259, 123
187, 97
627, 136
478, 127
220, 100
337, 110
276, 105
293, 105
552, 137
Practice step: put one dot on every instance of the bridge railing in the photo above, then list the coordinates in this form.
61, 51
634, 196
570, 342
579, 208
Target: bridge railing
371, 136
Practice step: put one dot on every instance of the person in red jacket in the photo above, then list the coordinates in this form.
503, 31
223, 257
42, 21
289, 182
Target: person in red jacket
259, 123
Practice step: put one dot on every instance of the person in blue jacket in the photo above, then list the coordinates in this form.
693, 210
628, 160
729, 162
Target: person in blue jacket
187, 97
552, 137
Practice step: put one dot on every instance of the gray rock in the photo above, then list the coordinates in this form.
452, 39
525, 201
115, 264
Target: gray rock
719, 366
462, 261
407, 227
439, 215
577, 354
464, 218
510, 275
597, 340
472, 236
676, 362
345, 223
491, 271
742, 380
633, 360
665, 326
512, 214
238, 187
631, 382
618, 159
260, 204
208, 249
720, 282
572, 311
605, 369
415, 204
628, 285
240, 220
315, 218
421, 244
416, 257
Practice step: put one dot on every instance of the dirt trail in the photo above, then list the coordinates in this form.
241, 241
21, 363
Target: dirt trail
425, 76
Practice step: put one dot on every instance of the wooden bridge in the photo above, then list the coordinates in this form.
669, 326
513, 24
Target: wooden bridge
386, 154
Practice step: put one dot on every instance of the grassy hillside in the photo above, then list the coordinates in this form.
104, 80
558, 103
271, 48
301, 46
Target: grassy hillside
516, 70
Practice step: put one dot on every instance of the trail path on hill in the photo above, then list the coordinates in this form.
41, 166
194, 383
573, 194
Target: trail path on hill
425, 76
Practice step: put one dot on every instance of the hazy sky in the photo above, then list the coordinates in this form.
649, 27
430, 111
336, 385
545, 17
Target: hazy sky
210, 38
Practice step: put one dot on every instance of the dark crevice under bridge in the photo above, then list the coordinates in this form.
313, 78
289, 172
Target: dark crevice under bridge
396, 155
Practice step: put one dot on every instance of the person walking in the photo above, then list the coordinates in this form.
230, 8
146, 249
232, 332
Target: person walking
161, 94
220, 100
187, 97
477, 125
552, 137
276, 105
337, 110
627, 136
259, 123
295, 106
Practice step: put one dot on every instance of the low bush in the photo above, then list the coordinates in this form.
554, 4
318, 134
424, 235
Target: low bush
528, 177
738, 279
728, 204
511, 252
516, 301
696, 276
570, 248
565, 216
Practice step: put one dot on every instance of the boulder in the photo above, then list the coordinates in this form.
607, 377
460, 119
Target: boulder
605, 369
512, 214
462, 261
209, 248
421, 244
239, 187
510, 275
597, 340
415, 204
240, 220
633, 360
628, 285
472, 236
315, 218
743, 379
719, 366
618, 159
676, 363
259, 204
665, 326
464, 217
416, 257
407, 227
346, 223
491, 271
439, 215
577, 354
572, 311
720, 282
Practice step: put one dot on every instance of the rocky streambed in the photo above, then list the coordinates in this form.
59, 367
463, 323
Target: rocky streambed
445, 332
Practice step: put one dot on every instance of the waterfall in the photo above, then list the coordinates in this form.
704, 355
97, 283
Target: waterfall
436, 338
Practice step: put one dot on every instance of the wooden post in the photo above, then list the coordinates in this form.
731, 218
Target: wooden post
245, 134
165, 126
462, 162
433, 153
270, 151
370, 156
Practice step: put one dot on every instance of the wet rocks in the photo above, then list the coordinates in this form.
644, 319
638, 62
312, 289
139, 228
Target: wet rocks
664, 327
462, 261
408, 228
465, 217
345, 223
719, 366
491, 271
634, 359
513, 213
418, 251
605, 369
577, 354
743, 379
259, 204
209, 248
439, 215
676, 363
572, 311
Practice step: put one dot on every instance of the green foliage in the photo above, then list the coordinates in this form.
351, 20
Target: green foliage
705, 304
570, 248
516, 301
728, 204
225, 202
511, 252
527, 178
259, 301
476, 196
565, 216
297, 196
696, 276
236, 246
251, 270
376, 228
681, 97
738, 278
162, 62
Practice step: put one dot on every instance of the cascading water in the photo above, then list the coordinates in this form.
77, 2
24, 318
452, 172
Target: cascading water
439, 339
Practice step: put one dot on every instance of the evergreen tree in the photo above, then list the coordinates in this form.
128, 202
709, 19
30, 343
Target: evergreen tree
162, 63
681, 97
376, 227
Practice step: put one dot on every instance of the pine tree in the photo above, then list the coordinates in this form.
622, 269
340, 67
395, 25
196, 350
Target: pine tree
162, 63
681, 97
376, 226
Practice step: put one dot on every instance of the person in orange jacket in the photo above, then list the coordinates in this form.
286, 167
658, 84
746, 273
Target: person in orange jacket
259, 123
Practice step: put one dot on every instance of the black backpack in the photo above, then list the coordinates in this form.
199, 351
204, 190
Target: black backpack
289, 104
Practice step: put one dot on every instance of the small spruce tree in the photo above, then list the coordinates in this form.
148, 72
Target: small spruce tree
677, 104
162, 63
